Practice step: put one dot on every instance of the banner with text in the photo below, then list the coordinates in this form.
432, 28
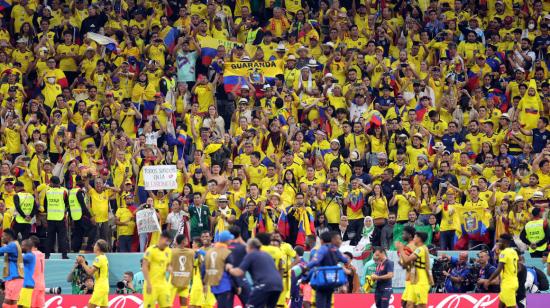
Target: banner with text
469, 300
147, 221
160, 177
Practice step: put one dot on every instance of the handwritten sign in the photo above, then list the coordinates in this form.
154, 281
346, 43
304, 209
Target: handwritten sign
147, 221
160, 177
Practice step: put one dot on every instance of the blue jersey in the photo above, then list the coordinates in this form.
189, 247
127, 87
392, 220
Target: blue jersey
13, 252
29, 261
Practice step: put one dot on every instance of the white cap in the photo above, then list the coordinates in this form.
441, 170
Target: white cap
245, 87
281, 47
243, 100
518, 198
328, 75
302, 48
335, 140
291, 57
222, 198
330, 44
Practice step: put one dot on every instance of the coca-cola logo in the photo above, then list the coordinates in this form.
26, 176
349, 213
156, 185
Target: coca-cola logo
81, 301
434, 300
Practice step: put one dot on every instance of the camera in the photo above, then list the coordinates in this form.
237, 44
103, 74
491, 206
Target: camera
56, 290
122, 284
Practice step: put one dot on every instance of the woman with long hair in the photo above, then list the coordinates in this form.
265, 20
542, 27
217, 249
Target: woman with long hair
214, 121
379, 206
290, 188
425, 203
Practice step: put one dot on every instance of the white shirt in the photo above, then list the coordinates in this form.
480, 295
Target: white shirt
175, 220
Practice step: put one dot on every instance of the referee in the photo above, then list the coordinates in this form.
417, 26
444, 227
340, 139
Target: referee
383, 277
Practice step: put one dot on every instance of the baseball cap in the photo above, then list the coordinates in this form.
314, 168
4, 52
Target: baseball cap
225, 236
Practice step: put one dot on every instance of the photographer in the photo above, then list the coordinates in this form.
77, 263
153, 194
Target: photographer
486, 269
126, 285
88, 286
77, 278
456, 281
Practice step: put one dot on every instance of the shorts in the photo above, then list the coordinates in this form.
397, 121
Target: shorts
420, 293
307, 292
198, 298
507, 294
161, 295
407, 295
25, 297
38, 298
100, 298
13, 289
179, 293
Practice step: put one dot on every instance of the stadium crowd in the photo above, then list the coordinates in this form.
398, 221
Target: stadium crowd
295, 124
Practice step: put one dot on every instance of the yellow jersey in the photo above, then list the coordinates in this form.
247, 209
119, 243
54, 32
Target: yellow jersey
509, 275
101, 275
158, 264
420, 265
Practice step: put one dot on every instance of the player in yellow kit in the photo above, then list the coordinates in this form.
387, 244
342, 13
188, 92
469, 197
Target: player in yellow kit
421, 278
156, 289
100, 270
407, 237
508, 270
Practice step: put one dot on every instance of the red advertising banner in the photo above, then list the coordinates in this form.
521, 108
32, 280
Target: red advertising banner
115, 301
340, 300
469, 300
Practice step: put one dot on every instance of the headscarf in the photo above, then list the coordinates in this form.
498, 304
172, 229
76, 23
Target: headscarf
367, 231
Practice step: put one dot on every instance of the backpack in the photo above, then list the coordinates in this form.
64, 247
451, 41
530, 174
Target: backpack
541, 281
328, 277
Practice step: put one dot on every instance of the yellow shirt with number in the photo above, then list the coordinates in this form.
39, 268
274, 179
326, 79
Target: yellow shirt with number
422, 258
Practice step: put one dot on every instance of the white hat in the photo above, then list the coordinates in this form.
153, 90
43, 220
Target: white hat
505, 116
291, 57
538, 194
439, 145
245, 87
245, 58
243, 100
267, 86
302, 48
328, 75
281, 47
518, 198
335, 140
223, 198
22, 40
330, 44
312, 63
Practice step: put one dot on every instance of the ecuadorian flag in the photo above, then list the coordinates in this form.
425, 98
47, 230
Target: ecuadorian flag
234, 73
209, 47
474, 221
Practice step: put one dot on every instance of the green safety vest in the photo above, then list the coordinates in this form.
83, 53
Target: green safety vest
26, 202
56, 203
170, 83
534, 232
74, 205
251, 35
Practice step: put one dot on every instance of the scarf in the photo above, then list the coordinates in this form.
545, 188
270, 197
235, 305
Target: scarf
19, 262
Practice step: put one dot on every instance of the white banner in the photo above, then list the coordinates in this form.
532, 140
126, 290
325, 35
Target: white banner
160, 177
147, 221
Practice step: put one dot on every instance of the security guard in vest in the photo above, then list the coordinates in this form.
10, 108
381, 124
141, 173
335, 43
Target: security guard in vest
535, 234
81, 217
56, 204
25, 209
